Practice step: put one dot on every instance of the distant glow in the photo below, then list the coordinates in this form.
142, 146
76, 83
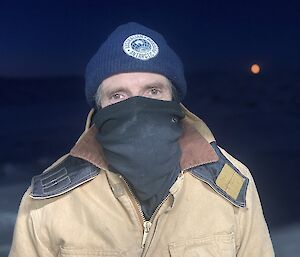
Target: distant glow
255, 69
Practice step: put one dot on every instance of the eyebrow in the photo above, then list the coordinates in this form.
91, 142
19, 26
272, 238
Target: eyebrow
121, 88
157, 84
114, 90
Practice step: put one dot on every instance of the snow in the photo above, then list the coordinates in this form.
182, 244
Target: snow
7, 221
286, 240
9, 202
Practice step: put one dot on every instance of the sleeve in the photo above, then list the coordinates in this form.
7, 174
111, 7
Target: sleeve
254, 239
26, 242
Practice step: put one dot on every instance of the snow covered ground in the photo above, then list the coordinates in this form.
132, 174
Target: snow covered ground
10, 197
286, 240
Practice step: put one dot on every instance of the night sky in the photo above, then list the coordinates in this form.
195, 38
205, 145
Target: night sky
53, 38
45, 46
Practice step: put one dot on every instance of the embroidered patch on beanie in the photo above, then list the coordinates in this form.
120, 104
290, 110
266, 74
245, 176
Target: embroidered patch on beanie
140, 47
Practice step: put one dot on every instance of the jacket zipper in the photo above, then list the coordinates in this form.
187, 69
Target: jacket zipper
147, 226
146, 223
137, 205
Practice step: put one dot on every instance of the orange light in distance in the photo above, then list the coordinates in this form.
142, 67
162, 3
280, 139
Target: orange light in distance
255, 69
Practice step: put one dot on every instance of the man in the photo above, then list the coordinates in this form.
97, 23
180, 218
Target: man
146, 178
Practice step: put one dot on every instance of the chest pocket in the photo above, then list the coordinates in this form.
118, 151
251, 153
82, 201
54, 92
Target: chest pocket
209, 246
75, 252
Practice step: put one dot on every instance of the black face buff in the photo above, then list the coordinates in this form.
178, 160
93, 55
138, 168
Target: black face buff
139, 137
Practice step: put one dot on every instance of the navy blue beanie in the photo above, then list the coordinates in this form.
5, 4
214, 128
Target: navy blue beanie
133, 48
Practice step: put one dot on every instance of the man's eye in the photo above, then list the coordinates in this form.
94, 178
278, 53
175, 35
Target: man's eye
116, 96
154, 91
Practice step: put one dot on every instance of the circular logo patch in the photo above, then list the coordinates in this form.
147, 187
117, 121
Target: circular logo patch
140, 47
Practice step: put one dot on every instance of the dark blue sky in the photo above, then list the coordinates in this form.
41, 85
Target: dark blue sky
50, 38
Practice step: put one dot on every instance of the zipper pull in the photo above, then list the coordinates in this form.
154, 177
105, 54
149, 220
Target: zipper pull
147, 226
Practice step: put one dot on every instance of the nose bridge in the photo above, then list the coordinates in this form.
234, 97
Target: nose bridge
136, 89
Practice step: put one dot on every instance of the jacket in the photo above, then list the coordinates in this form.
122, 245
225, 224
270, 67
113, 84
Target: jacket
77, 207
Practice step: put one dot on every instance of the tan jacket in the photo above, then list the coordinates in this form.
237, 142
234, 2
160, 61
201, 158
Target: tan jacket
97, 215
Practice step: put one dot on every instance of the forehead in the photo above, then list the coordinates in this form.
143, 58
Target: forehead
138, 79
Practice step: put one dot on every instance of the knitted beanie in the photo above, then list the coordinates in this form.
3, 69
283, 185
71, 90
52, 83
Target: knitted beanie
133, 48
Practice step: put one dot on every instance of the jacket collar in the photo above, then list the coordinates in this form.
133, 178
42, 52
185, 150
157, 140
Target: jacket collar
194, 143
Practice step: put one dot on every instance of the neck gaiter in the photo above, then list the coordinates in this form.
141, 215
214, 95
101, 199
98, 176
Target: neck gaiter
139, 137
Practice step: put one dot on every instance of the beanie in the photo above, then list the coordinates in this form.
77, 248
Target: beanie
133, 47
